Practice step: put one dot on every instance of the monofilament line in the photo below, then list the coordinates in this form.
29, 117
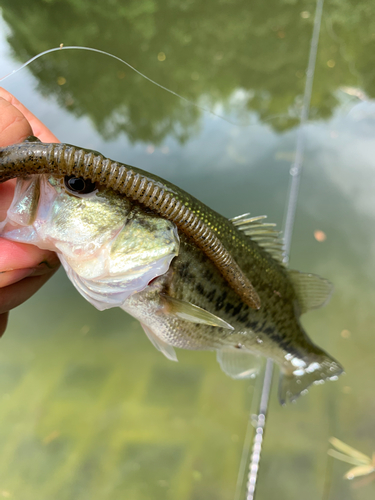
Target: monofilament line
91, 49
291, 206
122, 61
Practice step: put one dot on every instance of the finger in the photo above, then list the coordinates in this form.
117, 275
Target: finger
6, 197
38, 128
15, 255
14, 295
14, 128
9, 277
3, 323
13, 125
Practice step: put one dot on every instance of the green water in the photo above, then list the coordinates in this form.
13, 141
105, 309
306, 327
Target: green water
88, 408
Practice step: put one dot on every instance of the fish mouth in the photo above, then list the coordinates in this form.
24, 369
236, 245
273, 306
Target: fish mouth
109, 247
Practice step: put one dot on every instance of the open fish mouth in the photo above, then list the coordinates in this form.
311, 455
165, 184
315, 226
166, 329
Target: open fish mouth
109, 247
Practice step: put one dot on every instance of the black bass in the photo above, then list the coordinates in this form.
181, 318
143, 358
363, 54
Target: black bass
193, 278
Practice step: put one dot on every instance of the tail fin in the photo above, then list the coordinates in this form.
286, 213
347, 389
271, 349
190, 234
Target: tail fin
315, 369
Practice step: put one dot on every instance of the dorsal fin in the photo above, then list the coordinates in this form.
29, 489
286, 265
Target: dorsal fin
263, 233
312, 290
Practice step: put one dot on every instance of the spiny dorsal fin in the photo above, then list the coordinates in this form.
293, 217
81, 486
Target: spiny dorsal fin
312, 290
261, 232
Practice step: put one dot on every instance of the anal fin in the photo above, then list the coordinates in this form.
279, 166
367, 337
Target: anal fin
238, 364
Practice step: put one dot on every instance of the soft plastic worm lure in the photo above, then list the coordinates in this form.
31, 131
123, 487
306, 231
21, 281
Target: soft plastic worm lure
35, 157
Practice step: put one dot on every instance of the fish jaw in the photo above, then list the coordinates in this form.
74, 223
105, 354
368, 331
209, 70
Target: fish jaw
109, 247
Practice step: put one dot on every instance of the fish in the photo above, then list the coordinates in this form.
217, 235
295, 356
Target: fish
192, 278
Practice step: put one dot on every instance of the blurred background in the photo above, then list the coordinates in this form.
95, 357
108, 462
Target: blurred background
88, 408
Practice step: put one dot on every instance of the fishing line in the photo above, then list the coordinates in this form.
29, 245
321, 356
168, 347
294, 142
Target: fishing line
91, 49
291, 207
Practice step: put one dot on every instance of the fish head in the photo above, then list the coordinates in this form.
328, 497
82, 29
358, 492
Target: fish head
110, 246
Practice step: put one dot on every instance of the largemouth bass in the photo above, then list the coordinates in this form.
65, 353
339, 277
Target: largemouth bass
194, 279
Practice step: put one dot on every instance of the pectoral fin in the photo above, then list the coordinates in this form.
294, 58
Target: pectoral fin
236, 363
160, 345
190, 312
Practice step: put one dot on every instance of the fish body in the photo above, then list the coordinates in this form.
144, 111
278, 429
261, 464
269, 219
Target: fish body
120, 253
273, 331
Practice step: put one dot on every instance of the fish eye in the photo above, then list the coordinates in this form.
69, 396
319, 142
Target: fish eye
79, 185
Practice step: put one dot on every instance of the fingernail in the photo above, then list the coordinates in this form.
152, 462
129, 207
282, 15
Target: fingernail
10, 277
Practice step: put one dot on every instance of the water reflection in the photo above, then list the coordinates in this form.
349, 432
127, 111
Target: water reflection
204, 51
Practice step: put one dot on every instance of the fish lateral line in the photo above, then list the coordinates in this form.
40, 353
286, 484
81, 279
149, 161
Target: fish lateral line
34, 157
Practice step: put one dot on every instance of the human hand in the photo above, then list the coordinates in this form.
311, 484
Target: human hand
23, 268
